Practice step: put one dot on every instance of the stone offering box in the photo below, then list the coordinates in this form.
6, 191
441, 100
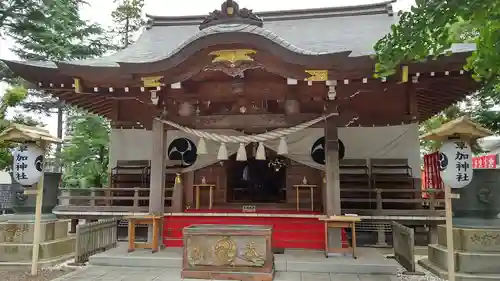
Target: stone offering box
228, 252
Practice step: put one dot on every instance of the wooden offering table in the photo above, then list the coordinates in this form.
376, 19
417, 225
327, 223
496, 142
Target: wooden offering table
211, 188
311, 190
341, 222
155, 221
228, 252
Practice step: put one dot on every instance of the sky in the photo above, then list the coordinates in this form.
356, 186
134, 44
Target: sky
100, 11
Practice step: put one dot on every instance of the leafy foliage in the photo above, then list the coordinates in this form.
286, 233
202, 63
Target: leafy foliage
86, 153
429, 30
128, 20
433, 25
59, 34
10, 10
11, 98
477, 111
56, 34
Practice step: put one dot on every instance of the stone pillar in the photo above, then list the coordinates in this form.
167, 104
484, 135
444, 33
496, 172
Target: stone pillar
157, 177
381, 241
433, 234
332, 175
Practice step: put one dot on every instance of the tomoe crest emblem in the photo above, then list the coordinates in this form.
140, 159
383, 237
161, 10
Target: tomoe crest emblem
318, 151
39, 163
443, 161
183, 150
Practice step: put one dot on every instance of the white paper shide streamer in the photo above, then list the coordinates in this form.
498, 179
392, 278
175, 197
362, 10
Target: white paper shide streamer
241, 155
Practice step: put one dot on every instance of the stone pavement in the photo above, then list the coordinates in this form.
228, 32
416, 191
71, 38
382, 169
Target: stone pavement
109, 273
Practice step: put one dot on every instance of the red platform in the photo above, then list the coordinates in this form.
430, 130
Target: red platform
288, 232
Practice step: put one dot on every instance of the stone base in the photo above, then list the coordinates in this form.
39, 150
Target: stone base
16, 241
477, 253
466, 262
472, 239
213, 275
425, 263
22, 232
15, 252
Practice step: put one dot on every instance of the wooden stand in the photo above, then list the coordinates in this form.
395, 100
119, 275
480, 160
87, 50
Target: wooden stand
341, 222
311, 189
149, 220
206, 185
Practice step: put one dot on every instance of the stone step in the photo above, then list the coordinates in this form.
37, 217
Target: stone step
330, 265
442, 273
465, 262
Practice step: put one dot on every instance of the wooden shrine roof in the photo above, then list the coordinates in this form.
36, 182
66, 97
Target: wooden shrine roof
281, 54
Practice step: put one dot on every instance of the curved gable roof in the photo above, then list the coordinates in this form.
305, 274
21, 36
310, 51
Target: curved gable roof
309, 32
316, 32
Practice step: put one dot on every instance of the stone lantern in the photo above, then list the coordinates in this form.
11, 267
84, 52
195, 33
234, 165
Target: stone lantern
469, 245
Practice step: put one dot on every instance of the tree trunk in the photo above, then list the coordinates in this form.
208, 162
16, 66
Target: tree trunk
60, 114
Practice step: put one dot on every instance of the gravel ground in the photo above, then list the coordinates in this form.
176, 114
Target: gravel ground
25, 275
427, 277
45, 274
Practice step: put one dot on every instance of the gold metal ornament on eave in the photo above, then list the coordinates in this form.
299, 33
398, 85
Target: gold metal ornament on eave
233, 56
77, 85
317, 75
151, 81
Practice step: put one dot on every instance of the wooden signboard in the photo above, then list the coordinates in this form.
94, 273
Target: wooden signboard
6, 197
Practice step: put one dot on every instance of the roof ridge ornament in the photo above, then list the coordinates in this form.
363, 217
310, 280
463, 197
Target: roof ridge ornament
230, 12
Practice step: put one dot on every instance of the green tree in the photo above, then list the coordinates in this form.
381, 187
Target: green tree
12, 97
85, 154
476, 110
433, 25
10, 10
128, 20
58, 35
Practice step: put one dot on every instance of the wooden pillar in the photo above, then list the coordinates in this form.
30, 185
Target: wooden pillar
332, 176
188, 188
177, 195
74, 223
157, 177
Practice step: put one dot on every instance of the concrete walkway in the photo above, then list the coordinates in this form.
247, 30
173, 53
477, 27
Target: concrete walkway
109, 273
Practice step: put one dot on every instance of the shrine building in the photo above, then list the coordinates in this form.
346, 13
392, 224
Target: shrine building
239, 117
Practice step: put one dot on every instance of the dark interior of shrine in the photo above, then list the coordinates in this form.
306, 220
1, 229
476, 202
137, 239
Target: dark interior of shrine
257, 181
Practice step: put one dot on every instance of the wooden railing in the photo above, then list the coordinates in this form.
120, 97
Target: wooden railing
95, 237
134, 199
363, 201
407, 201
